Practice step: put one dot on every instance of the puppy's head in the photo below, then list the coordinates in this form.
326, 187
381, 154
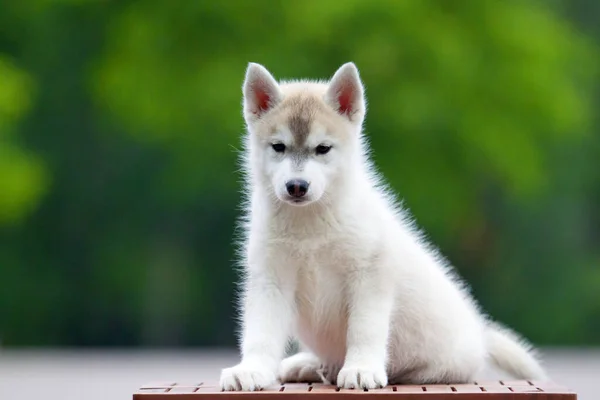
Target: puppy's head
303, 135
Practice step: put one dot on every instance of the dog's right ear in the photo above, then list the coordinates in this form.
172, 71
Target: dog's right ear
261, 92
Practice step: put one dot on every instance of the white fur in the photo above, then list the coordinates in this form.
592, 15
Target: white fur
346, 273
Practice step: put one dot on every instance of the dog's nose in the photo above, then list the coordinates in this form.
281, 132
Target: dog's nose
297, 187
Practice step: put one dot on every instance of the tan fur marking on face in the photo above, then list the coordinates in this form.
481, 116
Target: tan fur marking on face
302, 112
302, 105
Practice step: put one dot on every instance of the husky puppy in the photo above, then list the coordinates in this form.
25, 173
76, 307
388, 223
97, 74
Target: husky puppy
331, 260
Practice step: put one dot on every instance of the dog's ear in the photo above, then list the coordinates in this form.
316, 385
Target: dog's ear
261, 91
346, 94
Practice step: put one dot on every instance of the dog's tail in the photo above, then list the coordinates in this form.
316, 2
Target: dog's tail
512, 354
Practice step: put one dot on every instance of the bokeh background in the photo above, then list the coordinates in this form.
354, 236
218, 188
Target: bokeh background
120, 128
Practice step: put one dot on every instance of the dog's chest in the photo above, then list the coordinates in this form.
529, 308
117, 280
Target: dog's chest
321, 304
322, 263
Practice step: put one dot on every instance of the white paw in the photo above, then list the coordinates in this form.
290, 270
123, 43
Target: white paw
301, 367
362, 378
246, 378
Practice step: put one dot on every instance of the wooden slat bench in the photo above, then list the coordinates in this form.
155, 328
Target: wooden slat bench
501, 390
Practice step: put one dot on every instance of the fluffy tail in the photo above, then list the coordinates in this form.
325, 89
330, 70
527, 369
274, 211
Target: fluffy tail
512, 354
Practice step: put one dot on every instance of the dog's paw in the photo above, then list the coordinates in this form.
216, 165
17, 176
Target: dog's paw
362, 378
246, 378
301, 367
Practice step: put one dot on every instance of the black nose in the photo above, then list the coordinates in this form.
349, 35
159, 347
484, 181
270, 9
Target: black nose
297, 187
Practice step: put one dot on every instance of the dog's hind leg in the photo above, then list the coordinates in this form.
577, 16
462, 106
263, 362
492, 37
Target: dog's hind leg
301, 367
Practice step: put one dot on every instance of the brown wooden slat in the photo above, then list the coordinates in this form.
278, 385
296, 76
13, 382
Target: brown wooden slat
320, 388
524, 389
495, 389
385, 390
489, 383
183, 389
274, 388
295, 388
438, 389
516, 383
161, 384
208, 389
467, 388
408, 389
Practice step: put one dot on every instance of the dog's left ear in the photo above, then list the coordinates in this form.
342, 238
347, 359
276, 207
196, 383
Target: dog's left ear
346, 94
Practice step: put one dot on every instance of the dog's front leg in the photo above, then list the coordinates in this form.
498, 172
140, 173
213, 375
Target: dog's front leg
266, 320
370, 298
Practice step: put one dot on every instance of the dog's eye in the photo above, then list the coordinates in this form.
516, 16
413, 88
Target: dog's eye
322, 149
278, 147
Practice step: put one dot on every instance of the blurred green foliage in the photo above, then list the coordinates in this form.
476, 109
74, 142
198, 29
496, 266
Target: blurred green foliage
22, 176
120, 123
